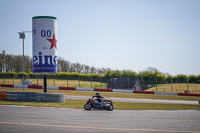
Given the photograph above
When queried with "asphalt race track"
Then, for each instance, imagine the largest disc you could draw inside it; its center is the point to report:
(19, 119)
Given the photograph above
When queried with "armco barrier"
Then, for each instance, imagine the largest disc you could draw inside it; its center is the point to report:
(166, 93)
(124, 91)
(35, 86)
(32, 97)
(85, 89)
(104, 90)
(144, 92)
(96, 89)
(5, 85)
(67, 88)
(20, 86)
(53, 87)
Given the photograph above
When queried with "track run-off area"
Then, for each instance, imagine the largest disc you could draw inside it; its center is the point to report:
(43, 119)
(139, 100)
(36, 119)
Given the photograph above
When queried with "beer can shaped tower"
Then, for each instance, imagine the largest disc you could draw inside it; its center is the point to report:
(44, 45)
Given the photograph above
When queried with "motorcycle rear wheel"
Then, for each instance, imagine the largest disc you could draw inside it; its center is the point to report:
(87, 106)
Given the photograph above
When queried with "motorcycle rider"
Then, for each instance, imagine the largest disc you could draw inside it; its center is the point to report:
(99, 99)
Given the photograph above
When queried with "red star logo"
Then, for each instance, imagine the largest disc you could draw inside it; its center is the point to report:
(53, 42)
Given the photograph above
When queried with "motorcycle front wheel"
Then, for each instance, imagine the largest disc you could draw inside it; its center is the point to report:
(87, 106)
(110, 108)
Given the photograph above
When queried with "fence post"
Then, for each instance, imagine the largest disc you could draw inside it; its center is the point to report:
(142, 85)
(121, 83)
(176, 84)
(101, 83)
(128, 83)
(91, 82)
(79, 81)
(107, 83)
(156, 85)
(187, 85)
(67, 81)
(54, 81)
(171, 86)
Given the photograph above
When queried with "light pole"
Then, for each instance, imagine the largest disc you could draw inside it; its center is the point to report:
(22, 36)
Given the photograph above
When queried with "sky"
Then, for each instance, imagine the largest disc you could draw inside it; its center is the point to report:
(116, 34)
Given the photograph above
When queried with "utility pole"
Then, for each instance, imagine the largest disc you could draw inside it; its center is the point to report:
(22, 36)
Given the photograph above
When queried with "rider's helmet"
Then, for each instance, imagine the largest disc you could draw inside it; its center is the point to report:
(98, 94)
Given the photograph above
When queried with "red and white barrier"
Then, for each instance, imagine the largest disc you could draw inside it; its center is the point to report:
(53, 87)
(123, 91)
(20, 86)
(186, 94)
(84, 89)
(97, 89)
(35, 86)
(67, 88)
(165, 93)
(144, 92)
(103, 90)
(6, 85)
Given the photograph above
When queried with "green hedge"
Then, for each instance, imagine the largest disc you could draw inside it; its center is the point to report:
(60, 75)
(8, 75)
(64, 75)
(144, 76)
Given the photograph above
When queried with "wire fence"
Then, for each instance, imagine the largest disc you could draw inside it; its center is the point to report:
(103, 83)
(67, 82)
(171, 87)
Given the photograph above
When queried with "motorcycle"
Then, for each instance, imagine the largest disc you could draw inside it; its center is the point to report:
(93, 104)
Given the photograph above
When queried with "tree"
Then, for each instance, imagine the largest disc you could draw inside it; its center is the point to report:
(2, 60)
(128, 73)
(152, 69)
(192, 79)
(8, 63)
(180, 78)
(17, 63)
(93, 70)
(86, 69)
(27, 64)
(168, 79)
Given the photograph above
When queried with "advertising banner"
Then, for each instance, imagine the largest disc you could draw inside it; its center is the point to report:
(44, 45)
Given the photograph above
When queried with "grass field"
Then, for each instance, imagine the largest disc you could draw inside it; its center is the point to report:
(78, 104)
(177, 87)
(108, 94)
(59, 82)
(73, 103)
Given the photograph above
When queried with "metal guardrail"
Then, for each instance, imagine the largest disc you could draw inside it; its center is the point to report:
(32, 97)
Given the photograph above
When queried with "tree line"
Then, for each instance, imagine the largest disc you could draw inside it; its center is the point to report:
(144, 76)
(13, 63)
(153, 75)
(11, 66)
